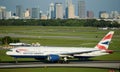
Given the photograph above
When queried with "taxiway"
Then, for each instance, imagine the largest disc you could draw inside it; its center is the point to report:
(86, 64)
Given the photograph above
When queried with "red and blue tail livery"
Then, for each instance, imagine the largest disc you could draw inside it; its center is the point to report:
(104, 43)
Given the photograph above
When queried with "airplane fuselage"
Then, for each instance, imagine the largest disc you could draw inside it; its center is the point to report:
(44, 51)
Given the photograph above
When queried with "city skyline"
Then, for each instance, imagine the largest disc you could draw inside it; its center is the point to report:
(95, 5)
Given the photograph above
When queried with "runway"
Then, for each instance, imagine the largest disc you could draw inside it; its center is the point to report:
(89, 64)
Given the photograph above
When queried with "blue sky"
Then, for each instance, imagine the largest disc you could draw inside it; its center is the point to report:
(95, 5)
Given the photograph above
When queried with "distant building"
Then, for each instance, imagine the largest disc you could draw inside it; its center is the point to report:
(81, 9)
(71, 13)
(44, 17)
(66, 9)
(40, 14)
(35, 13)
(52, 11)
(8, 15)
(90, 14)
(27, 14)
(69, 10)
(103, 15)
(114, 14)
(2, 12)
(58, 11)
(19, 11)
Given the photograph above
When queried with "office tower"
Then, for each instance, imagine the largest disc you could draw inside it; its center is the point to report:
(66, 8)
(114, 14)
(52, 11)
(90, 14)
(69, 9)
(44, 17)
(8, 14)
(27, 14)
(40, 14)
(2, 12)
(71, 13)
(35, 13)
(19, 11)
(58, 11)
(81, 9)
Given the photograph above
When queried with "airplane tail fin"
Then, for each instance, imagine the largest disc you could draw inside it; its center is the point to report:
(104, 43)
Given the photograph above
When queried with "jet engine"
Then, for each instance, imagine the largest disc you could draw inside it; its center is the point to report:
(53, 58)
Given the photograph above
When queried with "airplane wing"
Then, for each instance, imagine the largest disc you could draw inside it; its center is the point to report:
(72, 53)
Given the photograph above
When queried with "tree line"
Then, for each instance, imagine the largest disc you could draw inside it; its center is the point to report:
(59, 22)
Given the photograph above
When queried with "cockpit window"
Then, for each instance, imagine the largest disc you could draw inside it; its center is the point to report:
(17, 51)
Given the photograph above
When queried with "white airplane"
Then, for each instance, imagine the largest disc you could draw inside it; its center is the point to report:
(53, 54)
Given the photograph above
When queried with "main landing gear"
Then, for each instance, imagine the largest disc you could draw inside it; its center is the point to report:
(64, 61)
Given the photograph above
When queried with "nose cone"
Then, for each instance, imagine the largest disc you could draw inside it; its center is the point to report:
(8, 53)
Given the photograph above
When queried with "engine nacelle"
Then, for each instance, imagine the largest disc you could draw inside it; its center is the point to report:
(53, 58)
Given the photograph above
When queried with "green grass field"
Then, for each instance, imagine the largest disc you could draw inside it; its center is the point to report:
(55, 70)
(60, 36)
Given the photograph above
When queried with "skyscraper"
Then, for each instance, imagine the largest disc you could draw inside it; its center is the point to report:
(81, 9)
(2, 12)
(90, 14)
(35, 13)
(27, 14)
(8, 14)
(52, 11)
(19, 11)
(114, 14)
(69, 9)
(58, 11)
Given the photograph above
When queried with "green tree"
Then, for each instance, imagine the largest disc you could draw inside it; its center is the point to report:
(6, 40)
